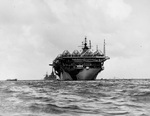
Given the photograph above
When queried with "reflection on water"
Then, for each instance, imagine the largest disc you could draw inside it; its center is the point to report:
(75, 98)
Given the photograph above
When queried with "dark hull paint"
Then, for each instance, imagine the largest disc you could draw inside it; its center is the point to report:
(84, 74)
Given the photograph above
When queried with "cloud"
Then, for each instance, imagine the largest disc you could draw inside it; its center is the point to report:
(34, 32)
(118, 9)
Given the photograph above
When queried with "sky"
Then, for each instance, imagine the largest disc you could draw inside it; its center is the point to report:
(34, 32)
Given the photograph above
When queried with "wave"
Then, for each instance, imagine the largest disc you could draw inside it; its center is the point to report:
(79, 98)
(54, 109)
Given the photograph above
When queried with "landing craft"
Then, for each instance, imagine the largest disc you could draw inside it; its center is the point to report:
(84, 65)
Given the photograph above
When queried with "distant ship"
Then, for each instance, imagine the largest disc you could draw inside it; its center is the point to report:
(52, 76)
(11, 80)
(84, 65)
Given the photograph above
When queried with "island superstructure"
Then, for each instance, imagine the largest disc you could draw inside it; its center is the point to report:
(84, 65)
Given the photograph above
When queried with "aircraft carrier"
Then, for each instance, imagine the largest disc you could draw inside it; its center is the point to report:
(83, 65)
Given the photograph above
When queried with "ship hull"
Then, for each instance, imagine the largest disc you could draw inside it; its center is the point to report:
(88, 74)
(84, 74)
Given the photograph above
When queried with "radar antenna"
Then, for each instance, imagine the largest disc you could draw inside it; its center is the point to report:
(85, 45)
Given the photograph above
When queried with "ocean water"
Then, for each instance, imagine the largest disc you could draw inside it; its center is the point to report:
(75, 98)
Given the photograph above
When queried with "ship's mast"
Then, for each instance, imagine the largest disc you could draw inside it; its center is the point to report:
(104, 52)
(90, 44)
(96, 47)
(85, 48)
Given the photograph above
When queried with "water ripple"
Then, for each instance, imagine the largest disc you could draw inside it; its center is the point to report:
(75, 98)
